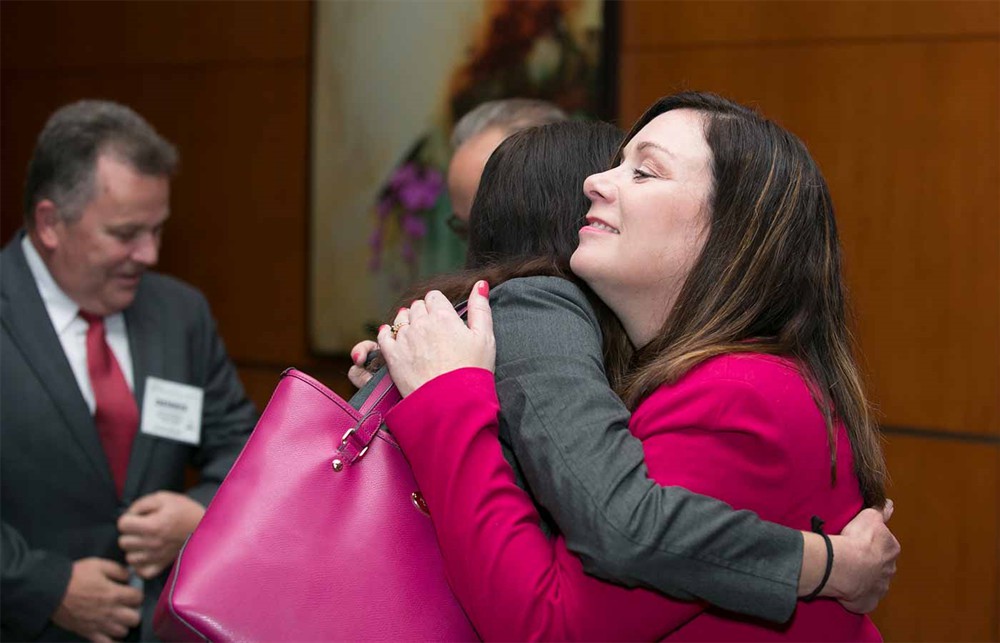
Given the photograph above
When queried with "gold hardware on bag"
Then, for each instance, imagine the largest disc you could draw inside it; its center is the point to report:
(347, 434)
(337, 465)
(420, 503)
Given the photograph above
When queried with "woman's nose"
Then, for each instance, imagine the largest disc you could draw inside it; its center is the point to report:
(598, 187)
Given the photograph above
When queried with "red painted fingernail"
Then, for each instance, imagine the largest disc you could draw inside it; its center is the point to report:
(382, 326)
(354, 357)
(484, 288)
(401, 310)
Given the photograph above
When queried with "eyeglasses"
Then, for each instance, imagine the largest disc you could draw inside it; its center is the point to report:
(459, 227)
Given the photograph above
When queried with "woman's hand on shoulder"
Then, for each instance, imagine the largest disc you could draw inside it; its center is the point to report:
(431, 339)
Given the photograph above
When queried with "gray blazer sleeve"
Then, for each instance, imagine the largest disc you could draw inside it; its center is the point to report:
(570, 435)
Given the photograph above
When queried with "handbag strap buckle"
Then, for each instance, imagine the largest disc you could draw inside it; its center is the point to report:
(355, 440)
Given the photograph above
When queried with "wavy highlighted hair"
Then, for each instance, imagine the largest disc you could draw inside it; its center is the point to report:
(768, 279)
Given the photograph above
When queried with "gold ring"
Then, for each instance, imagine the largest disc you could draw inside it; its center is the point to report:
(396, 327)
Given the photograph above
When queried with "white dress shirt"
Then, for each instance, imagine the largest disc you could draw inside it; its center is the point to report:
(72, 329)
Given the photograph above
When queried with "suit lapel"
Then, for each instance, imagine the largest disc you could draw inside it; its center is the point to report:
(146, 346)
(29, 326)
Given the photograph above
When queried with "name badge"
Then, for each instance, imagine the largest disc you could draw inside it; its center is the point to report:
(172, 410)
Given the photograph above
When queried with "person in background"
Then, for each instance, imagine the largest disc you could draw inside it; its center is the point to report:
(113, 381)
(477, 134)
(559, 419)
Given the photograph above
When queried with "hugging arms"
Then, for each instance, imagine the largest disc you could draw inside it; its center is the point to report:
(567, 434)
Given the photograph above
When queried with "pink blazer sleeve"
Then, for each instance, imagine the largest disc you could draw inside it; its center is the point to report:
(513, 582)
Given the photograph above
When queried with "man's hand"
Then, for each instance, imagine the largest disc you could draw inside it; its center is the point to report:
(864, 561)
(154, 528)
(98, 604)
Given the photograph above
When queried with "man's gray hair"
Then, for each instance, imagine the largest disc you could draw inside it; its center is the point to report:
(509, 114)
(63, 164)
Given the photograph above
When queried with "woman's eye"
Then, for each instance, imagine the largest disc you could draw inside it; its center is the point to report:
(639, 173)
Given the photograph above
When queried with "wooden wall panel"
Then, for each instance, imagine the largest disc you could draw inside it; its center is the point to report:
(724, 23)
(948, 585)
(50, 35)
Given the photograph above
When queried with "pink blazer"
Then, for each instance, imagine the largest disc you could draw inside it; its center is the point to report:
(742, 428)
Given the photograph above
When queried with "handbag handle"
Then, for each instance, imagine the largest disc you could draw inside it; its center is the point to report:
(354, 443)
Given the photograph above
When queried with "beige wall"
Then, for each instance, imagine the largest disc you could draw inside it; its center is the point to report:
(898, 101)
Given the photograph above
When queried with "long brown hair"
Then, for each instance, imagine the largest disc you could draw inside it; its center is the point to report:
(768, 279)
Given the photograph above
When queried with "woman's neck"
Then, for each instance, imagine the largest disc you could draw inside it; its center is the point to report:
(642, 314)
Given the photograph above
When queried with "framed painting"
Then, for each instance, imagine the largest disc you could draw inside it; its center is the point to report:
(391, 77)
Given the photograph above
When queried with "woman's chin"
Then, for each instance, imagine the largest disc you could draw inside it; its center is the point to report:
(587, 267)
(578, 264)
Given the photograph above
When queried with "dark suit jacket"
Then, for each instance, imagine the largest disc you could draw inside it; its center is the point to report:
(58, 498)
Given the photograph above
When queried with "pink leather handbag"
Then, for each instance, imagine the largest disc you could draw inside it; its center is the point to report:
(318, 533)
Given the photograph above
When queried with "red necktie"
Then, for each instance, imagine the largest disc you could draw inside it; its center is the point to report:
(116, 414)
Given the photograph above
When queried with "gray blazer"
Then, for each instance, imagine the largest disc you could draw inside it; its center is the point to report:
(58, 497)
(570, 439)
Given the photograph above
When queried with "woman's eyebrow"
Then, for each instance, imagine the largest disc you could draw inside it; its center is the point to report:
(656, 146)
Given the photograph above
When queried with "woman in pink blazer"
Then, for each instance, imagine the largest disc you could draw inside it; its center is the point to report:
(712, 239)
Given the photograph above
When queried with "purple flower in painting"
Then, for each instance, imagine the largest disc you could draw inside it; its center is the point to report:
(422, 192)
(414, 226)
(404, 174)
(407, 199)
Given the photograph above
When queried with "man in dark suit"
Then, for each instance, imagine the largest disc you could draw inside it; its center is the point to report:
(112, 380)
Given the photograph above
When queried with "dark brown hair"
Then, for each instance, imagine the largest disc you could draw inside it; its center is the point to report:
(768, 279)
(527, 214)
(530, 201)
(65, 157)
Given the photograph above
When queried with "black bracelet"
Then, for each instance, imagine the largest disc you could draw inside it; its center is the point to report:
(817, 527)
